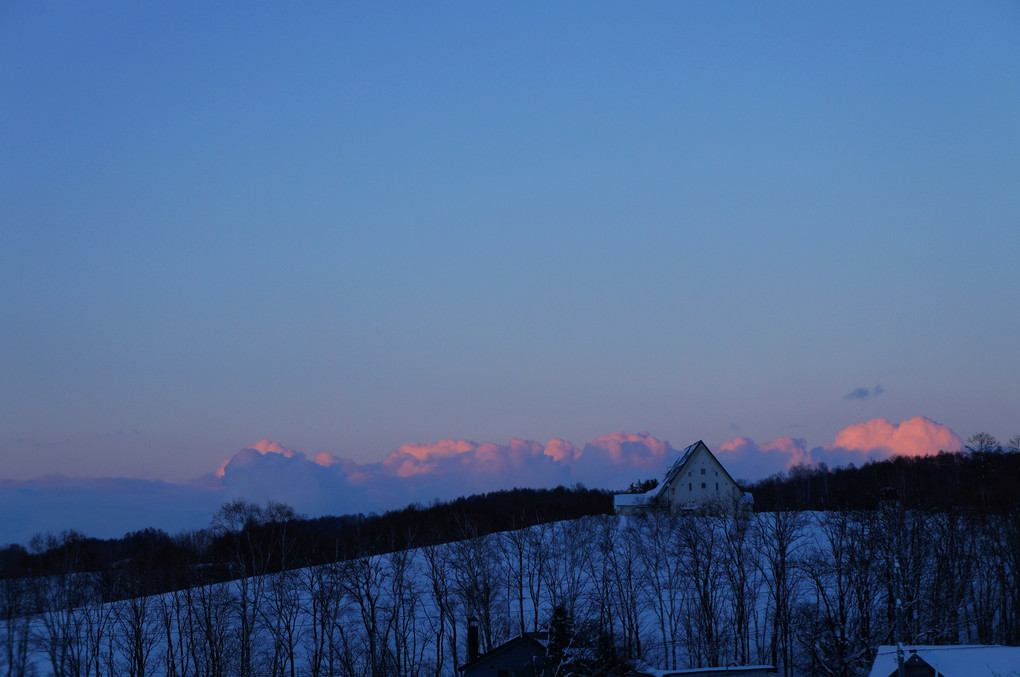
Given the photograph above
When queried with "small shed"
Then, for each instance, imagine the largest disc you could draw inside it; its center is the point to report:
(522, 656)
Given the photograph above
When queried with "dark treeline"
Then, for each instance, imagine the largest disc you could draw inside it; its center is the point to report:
(284, 539)
(983, 481)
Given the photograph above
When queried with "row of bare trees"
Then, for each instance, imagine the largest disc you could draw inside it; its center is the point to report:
(813, 593)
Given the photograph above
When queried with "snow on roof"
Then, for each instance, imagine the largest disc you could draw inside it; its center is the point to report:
(954, 660)
(633, 499)
(684, 455)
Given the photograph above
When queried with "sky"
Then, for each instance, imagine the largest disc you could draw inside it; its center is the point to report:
(352, 230)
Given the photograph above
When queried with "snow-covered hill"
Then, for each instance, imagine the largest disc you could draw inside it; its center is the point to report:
(802, 590)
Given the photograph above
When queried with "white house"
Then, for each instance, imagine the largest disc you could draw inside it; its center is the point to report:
(696, 478)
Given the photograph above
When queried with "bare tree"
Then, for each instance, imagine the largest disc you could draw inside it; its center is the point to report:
(664, 577)
(284, 619)
(96, 621)
(570, 549)
(137, 630)
(323, 596)
(982, 592)
(836, 624)
(952, 563)
(538, 544)
(174, 619)
(742, 576)
(57, 633)
(404, 595)
(213, 642)
(621, 546)
(513, 547)
(15, 613)
(1004, 551)
(440, 596)
(249, 528)
(473, 563)
(600, 576)
(982, 442)
(779, 536)
(904, 551)
(701, 557)
(364, 580)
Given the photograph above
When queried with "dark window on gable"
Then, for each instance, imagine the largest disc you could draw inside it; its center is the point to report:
(717, 486)
(690, 487)
(702, 471)
(702, 485)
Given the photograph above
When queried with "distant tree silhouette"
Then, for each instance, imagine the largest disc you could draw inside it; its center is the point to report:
(982, 443)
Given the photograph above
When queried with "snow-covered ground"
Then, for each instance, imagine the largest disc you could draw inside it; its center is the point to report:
(677, 591)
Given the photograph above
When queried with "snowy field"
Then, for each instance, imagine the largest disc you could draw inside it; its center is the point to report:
(805, 591)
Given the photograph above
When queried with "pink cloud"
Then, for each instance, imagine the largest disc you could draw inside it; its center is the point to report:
(617, 459)
(263, 447)
(323, 483)
(744, 458)
(637, 450)
(449, 468)
(876, 439)
(446, 468)
(919, 436)
(465, 458)
(269, 447)
(561, 450)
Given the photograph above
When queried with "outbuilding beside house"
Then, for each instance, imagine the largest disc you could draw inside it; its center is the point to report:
(522, 656)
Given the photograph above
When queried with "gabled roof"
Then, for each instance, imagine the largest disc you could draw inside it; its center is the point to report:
(686, 457)
(537, 640)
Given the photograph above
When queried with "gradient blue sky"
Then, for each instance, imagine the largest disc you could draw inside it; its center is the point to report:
(351, 226)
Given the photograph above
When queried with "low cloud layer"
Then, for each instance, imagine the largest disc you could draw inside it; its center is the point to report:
(323, 483)
(445, 469)
(101, 507)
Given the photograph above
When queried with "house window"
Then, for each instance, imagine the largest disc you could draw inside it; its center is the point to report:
(702, 485)
(717, 486)
(702, 471)
(690, 473)
(690, 487)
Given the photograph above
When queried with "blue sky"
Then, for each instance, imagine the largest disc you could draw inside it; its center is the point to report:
(350, 227)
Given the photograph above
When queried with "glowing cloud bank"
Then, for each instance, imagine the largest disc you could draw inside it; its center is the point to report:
(443, 469)
(324, 483)
(448, 468)
(876, 439)
(918, 436)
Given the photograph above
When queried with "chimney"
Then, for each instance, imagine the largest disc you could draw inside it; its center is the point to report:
(472, 639)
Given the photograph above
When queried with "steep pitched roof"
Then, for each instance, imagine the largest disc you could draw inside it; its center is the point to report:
(686, 457)
(537, 641)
